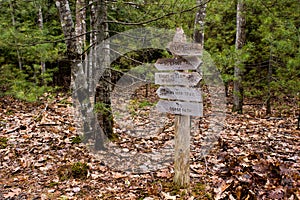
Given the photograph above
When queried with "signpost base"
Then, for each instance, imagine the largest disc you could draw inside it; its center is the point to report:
(182, 151)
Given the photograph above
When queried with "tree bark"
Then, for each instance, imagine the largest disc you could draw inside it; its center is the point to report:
(41, 26)
(104, 87)
(200, 22)
(83, 91)
(238, 68)
(68, 29)
(13, 20)
(80, 27)
(268, 111)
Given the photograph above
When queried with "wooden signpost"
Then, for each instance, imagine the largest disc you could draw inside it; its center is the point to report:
(179, 93)
(179, 99)
(180, 107)
(185, 49)
(178, 63)
(177, 78)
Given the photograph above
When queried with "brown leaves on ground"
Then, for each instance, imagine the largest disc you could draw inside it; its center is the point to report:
(257, 159)
(41, 157)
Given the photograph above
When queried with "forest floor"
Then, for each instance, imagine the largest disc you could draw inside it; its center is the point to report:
(41, 157)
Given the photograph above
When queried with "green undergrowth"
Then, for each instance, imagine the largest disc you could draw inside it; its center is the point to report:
(76, 140)
(76, 170)
(3, 142)
(27, 84)
(170, 188)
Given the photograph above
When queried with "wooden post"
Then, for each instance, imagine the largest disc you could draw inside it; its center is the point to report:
(182, 139)
(190, 100)
(182, 151)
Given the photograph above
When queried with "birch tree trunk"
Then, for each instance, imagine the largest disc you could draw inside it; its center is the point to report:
(104, 87)
(70, 36)
(268, 111)
(199, 22)
(238, 68)
(92, 65)
(75, 42)
(80, 27)
(41, 26)
(14, 25)
(74, 50)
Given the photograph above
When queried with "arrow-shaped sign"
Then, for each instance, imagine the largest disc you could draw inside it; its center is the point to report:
(182, 49)
(177, 78)
(187, 63)
(180, 108)
(179, 93)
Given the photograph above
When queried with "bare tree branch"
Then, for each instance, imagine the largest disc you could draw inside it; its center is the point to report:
(158, 18)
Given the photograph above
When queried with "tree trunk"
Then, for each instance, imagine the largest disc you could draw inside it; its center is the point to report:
(239, 43)
(268, 112)
(14, 25)
(199, 26)
(41, 26)
(80, 27)
(104, 87)
(82, 91)
(70, 36)
(199, 22)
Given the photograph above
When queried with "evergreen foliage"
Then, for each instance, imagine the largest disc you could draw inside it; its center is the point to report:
(25, 84)
(24, 46)
(271, 55)
(272, 42)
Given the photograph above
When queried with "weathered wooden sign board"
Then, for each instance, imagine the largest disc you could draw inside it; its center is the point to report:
(178, 63)
(179, 93)
(180, 107)
(182, 49)
(177, 78)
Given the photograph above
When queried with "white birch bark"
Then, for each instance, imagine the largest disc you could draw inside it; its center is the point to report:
(14, 25)
(104, 87)
(200, 22)
(68, 28)
(41, 26)
(239, 43)
(80, 27)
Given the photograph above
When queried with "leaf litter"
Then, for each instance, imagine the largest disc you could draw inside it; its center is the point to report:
(254, 158)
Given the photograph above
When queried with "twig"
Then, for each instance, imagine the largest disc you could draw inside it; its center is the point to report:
(23, 127)
(157, 18)
(48, 124)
